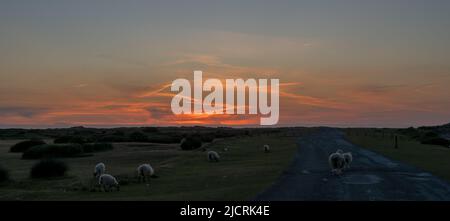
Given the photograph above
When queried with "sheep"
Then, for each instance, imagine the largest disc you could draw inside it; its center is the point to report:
(348, 158)
(336, 161)
(266, 148)
(145, 171)
(213, 156)
(99, 169)
(108, 182)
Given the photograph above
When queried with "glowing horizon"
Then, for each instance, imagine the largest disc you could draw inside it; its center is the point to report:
(110, 63)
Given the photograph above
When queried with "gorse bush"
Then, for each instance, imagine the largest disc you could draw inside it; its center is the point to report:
(53, 150)
(166, 139)
(96, 147)
(138, 137)
(25, 145)
(4, 175)
(436, 141)
(48, 168)
(71, 139)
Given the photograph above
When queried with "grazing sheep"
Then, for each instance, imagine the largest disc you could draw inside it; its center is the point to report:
(145, 171)
(108, 182)
(348, 158)
(213, 156)
(336, 161)
(266, 148)
(99, 169)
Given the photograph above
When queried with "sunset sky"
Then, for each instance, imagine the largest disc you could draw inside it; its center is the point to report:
(110, 63)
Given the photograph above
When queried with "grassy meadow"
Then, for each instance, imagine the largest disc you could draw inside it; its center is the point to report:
(244, 171)
(432, 158)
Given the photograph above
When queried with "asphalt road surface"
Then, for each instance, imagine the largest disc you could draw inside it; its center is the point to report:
(371, 176)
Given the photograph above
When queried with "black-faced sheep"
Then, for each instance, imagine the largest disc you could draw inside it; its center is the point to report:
(108, 182)
(213, 156)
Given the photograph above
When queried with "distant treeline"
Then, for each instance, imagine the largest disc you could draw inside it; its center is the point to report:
(433, 135)
(81, 135)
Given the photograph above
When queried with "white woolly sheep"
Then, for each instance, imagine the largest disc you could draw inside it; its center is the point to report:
(266, 148)
(213, 156)
(348, 158)
(145, 171)
(336, 161)
(107, 182)
(99, 169)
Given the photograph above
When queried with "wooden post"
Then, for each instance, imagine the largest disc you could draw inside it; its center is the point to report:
(396, 142)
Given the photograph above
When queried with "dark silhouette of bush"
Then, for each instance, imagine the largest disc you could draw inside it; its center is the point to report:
(96, 147)
(25, 145)
(190, 143)
(53, 150)
(118, 133)
(150, 129)
(437, 141)
(48, 168)
(207, 137)
(4, 175)
(112, 138)
(71, 139)
(166, 139)
(138, 137)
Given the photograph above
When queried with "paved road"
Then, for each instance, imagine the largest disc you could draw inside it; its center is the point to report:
(371, 177)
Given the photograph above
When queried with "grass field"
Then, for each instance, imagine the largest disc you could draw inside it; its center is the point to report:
(243, 171)
(432, 158)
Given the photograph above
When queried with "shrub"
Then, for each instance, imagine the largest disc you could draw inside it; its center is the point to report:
(150, 129)
(138, 137)
(166, 139)
(437, 141)
(70, 139)
(207, 137)
(95, 147)
(4, 175)
(53, 150)
(25, 145)
(112, 138)
(190, 143)
(48, 168)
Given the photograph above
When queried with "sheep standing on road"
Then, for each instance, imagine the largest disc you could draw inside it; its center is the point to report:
(99, 169)
(213, 156)
(266, 148)
(107, 182)
(145, 171)
(348, 158)
(336, 161)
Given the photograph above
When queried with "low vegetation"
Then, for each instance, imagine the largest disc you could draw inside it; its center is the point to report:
(53, 150)
(243, 171)
(412, 148)
(48, 168)
(191, 142)
(4, 175)
(25, 145)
